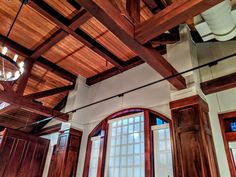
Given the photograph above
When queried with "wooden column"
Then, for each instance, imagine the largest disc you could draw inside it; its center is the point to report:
(193, 144)
(65, 154)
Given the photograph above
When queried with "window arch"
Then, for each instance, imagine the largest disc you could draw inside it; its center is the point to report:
(142, 123)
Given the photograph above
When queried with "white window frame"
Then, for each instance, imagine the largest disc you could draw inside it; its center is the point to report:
(156, 128)
(95, 138)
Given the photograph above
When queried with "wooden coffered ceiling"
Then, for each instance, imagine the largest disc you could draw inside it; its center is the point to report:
(97, 39)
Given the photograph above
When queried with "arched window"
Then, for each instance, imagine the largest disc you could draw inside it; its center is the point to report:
(130, 143)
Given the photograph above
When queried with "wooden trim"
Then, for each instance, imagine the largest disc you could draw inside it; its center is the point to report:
(193, 100)
(219, 84)
(103, 125)
(148, 149)
(171, 16)
(49, 130)
(226, 140)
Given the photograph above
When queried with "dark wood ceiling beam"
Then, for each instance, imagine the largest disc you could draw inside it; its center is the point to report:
(6, 86)
(78, 20)
(131, 63)
(62, 22)
(23, 80)
(50, 92)
(51, 41)
(124, 30)
(114, 71)
(17, 48)
(52, 67)
(133, 9)
(176, 13)
(219, 84)
(151, 4)
(165, 38)
(24, 103)
(7, 109)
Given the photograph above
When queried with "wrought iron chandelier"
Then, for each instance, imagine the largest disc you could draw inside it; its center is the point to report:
(10, 70)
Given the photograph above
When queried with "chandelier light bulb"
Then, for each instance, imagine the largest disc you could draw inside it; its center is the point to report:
(15, 57)
(9, 75)
(21, 64)
(17, 74)
(4, 50)
(21, 70)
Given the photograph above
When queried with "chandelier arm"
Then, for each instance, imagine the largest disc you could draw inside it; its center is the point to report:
(10, 60)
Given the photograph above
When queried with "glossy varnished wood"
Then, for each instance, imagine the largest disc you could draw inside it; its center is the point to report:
(66, 154)
(22, 155)
(173, 15)
(118, 25)
(219, 84)
(194, 148)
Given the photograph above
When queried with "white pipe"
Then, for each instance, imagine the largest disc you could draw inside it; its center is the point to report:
(220, 21)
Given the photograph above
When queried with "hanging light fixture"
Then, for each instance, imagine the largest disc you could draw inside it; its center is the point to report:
(10, 70)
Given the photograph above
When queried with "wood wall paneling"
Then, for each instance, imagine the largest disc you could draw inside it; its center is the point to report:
(22, 155)
(65, 154)
(194, 147)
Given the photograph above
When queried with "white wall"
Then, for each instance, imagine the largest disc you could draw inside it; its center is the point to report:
(182, 56)
(53, 141)
(155, 97)
(220, 102)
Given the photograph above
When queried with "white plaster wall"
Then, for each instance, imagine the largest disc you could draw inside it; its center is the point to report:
(157, 97)
(53, 141)
(220, 102)
(211, 51)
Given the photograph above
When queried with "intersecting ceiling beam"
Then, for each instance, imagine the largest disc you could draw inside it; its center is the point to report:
(23, 80)
(114, 71)
(171, 16)
(151, 4)
(110, 17)
(24, 103)
(73, 29)
(131, 63)
(17, 48)
(133, 9)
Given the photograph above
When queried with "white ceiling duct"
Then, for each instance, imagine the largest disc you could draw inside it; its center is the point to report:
(217, 22)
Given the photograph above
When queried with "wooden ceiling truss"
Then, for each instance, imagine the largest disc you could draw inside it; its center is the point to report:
(146, 40)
